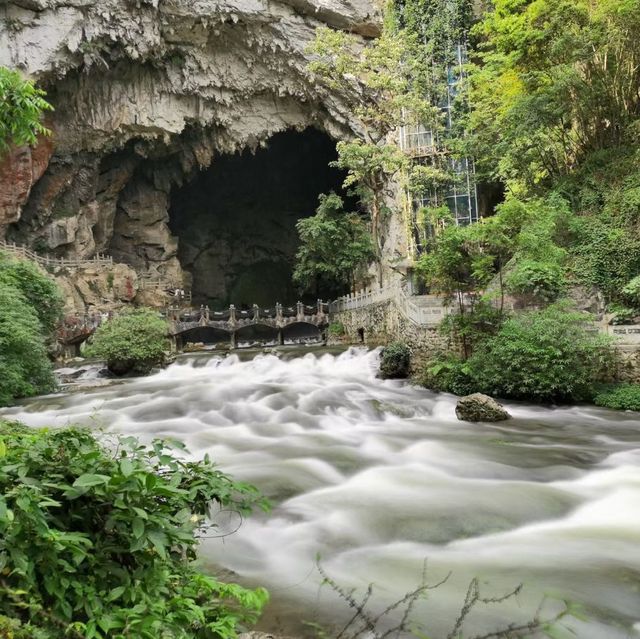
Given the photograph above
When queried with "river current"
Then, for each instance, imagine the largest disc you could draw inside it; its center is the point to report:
(377, 476)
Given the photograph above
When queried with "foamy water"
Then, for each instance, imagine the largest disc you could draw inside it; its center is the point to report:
(377, 476)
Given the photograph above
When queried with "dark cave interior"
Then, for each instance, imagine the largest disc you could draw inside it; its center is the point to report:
(236, 220)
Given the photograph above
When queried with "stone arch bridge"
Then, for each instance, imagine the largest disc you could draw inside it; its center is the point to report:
(233, 321)
(75, 329)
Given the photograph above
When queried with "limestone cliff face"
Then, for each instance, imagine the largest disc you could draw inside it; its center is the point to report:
(146, 94)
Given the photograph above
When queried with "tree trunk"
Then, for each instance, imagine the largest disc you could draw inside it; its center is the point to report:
(376, 235)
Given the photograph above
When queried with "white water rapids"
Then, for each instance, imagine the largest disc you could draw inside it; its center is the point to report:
(377, 476)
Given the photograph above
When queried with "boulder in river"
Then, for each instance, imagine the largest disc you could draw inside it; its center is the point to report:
(480, 408)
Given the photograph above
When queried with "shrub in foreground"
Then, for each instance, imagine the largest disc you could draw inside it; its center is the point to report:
(133, 342)
(395, 361)
(619, 397)
(98, 539)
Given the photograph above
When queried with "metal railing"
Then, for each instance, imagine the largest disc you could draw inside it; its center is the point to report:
(22, 252)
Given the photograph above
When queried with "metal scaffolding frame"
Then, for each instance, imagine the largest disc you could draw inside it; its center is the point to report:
(424, 145)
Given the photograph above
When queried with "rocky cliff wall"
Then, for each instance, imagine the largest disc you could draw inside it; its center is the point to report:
(146, 95)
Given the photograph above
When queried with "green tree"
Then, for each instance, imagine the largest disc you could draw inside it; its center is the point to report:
(21, 108)
(439, 26)
(335, 247)
(554, 82)
(135, 341)
(39, 290)
(458, 266)
(380, 83)
(98, 538)
(25, 369)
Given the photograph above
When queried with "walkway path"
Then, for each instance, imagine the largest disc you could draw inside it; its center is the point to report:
(422, 310)
(22, 252)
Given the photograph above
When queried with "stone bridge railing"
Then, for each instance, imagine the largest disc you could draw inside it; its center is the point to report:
(77, 328)
(234, 319)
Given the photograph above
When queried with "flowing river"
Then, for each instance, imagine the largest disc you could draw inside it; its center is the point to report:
(377, 476)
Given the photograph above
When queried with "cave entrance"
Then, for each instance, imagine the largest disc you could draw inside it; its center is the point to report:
(236, 221)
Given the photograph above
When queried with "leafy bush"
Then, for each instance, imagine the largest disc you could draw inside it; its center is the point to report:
(395, 361)
(336, 329)
(619, 396)
(25, 369)
(98, 538)
(621, 314)
(548, 355)
(132, 342)
(39, 290)
(632, 291)
(538, 280)
(448, 375)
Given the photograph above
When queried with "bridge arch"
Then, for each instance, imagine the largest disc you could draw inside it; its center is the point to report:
(301, 330)
(256, 333)
(204, 334)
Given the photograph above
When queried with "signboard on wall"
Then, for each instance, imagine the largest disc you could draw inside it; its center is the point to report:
(626, 334)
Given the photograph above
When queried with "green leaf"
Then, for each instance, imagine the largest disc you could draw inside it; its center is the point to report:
(88, 479)
(138, 527)
(115, 594)
(126, 467)
(159, 541)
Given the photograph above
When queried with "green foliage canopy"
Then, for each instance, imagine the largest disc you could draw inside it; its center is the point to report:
(98, 539)
(554, 81)
(38, 290)
(335, 247)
